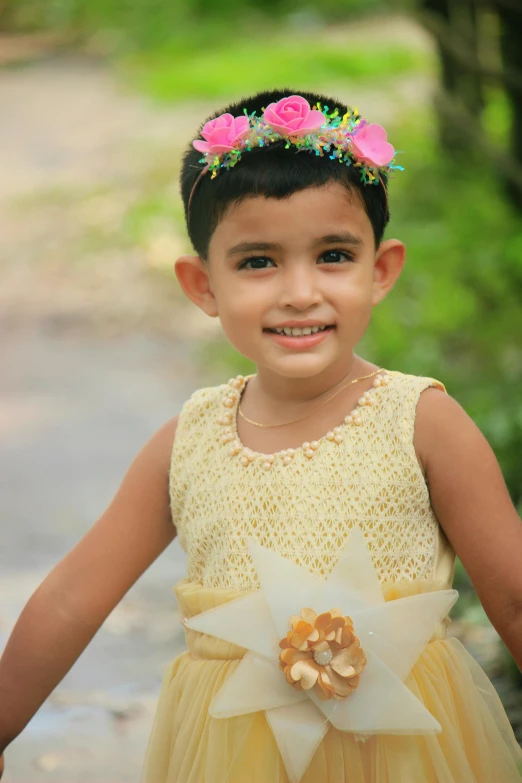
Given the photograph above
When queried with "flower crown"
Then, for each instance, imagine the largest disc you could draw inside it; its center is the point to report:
(348, 137)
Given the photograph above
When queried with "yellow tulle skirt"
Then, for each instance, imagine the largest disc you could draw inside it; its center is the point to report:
(476, 745)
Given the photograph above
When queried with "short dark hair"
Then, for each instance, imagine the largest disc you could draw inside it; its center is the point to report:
(272, 172)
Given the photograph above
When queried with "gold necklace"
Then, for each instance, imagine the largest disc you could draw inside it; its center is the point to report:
(255, 423)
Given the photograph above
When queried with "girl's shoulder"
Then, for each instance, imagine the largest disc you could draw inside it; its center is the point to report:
(413, 383)
(206, 396)
(203, 402)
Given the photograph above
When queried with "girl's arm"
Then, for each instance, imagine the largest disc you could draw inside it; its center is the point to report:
(68, 608)
(472, 503)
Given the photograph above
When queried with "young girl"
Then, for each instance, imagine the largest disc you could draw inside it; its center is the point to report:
(286, 206)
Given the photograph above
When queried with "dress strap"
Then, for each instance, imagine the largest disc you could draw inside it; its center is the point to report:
(195, 422)
(410, 388)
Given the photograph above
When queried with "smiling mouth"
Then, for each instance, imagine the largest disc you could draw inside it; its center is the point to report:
(309, 334)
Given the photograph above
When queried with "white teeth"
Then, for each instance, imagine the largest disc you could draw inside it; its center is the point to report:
(295, 332)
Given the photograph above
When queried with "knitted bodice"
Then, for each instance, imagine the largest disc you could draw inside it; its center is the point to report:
(304, 508)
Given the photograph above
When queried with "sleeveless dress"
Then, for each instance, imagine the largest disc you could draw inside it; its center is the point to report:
(364, 473)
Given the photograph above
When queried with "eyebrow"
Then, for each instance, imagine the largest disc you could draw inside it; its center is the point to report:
(346, 238)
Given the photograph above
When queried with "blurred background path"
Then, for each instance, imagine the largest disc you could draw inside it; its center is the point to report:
(86, 380)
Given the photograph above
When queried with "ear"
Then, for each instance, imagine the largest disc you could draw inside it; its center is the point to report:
(193, 277)
(389, 262)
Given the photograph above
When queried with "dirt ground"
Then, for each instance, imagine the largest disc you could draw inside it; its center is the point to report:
(97, 352)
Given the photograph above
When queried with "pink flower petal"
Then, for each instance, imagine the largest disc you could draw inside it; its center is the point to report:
(223, 121)
(314, 120)
(284, 130)
(271, 117)
(291, 113)
(295, 124)
(374, 132)
(286, 121)
(294, 102)
(201, 146)
(384, 154)
(369, 145)
(241, 125)
(222, 136)
(217, 149)
(287, 115)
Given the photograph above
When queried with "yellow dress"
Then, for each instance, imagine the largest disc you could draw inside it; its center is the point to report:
(363, 474)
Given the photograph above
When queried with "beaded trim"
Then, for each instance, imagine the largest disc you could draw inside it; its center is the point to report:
(286, 456)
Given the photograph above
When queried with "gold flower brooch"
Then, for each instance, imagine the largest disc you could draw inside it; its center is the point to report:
(322, 650)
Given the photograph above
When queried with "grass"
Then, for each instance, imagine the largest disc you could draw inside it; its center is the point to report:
(224, 69)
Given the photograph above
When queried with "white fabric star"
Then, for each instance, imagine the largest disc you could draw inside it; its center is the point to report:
(392, 634)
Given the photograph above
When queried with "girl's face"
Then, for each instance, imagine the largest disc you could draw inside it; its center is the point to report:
(310, 256)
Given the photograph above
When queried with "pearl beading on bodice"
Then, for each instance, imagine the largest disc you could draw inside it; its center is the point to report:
(247, 456)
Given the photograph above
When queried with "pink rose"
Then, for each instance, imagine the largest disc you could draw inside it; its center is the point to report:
(222, 134)
(369, 145)
(293, 116)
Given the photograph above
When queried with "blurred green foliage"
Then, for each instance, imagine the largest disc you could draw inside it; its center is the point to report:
(221, 69)
(154, 23)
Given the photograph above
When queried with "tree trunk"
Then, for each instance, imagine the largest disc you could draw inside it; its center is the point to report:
(454, 25)
(511, 50)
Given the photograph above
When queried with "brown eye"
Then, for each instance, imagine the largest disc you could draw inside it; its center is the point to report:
(334, 256)
(253, 260)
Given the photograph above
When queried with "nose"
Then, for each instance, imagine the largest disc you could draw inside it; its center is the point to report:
(300, 288)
